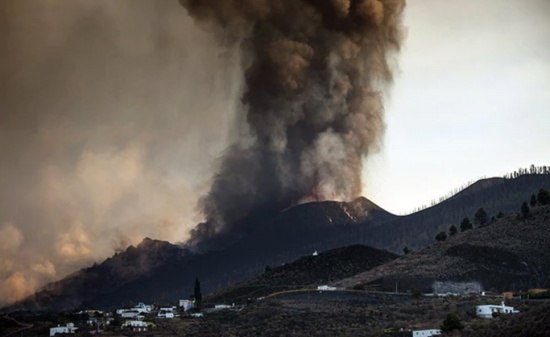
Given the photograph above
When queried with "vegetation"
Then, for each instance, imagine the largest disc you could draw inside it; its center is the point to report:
(532, 170)
(543, 197)
(452, 230)
(406, 250)
(533, 201)
(524, 209)
(465, 225)
(198, 294)
(481, 217)
(417, 295)
(442, 236)
(451, 323)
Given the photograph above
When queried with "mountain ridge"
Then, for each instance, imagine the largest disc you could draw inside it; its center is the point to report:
(171, 270)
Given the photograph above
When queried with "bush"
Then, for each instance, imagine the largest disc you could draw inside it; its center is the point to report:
(451, 322)
(543, 197)
(442, 236)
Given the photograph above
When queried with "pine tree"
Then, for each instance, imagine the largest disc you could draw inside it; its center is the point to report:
(452, 230)
(442, 236)
(524, 209)
(465, 225)
(481, 217)
(198, 294)
(417, 295)
(543, 197)
(533, 201)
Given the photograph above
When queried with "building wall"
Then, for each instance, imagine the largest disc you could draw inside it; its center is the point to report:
(426, 333)
(443, 287)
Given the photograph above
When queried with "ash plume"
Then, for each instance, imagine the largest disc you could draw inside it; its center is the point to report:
(315, 75)
(99, 131)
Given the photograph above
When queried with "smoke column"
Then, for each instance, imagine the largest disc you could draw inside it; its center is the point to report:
(315, 74)
(101, 144)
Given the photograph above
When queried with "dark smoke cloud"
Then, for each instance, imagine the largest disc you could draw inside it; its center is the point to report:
(106, 110)
(315, 73)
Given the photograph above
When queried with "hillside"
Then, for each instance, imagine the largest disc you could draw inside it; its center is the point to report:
(334, 264)
(156, 271)
(509, 254)
(100, 283)
(418, 229)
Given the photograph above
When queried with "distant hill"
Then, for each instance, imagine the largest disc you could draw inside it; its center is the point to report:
(157, 271)
(509, 254)
(109, 282)
(334, 264)
(419, 229)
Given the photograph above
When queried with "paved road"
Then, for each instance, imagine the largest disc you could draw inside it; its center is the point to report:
(342, 295)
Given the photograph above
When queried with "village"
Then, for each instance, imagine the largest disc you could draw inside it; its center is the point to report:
(145, 317)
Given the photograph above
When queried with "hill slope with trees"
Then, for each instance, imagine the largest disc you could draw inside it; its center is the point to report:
(295, 232)
(307, 271)
(511, 253)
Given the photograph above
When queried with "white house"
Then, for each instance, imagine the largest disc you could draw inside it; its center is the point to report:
(166, 313)
(142, 307)
(137, 326)
(69, 328)
(426, 333)
(139, 308)
(129, 313)
(324, 287)
(187, 304)
(486, 311)
(135, 323)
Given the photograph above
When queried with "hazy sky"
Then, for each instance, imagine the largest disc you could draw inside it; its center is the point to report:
(472, 99)
(113, 114)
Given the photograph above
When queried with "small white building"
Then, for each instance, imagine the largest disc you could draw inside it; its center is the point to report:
(487, 311)
(187, 304)
(136, 326)
(324, 287)
(129, 313)
(139, 308)
(135, 323)
(426, 333)
(223, 306)
(166, 313)
(69, 328)
(143, 308)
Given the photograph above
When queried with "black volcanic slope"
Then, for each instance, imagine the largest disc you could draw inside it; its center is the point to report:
(510, 254)
(117, 280)
(328, 266)
(157, 271)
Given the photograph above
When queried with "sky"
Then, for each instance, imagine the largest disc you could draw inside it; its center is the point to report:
(472, 99)
(114, 113)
